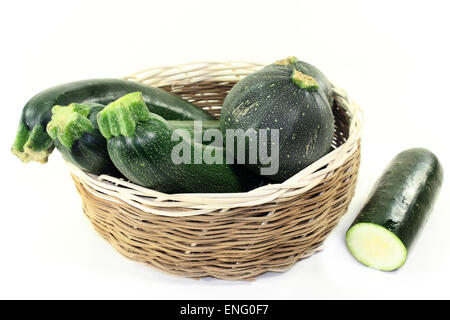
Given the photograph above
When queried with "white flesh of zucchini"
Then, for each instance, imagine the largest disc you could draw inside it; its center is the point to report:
(376, 247)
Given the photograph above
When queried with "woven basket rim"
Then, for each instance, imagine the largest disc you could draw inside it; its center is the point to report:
(119, 190)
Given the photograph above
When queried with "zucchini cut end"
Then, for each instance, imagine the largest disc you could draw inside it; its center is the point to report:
(376, 246)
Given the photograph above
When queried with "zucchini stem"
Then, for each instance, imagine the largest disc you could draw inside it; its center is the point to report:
(287, 61)
(304, 81)
(120, 117)
(34, 145)
(69, 123)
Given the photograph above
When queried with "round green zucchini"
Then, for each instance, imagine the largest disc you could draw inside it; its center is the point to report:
(283, 100)
(396, 211)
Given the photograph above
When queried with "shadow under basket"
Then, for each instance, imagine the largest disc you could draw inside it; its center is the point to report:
(233, 236)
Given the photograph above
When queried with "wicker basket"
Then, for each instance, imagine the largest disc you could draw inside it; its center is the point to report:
(234, 236)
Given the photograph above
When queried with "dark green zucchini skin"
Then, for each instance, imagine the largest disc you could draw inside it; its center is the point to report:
(33, 143)
(90, 152)
(189, 125)
(145, 159)
(403, 197)
(270, 99)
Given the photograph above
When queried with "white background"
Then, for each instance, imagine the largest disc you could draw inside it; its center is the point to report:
(391, 57)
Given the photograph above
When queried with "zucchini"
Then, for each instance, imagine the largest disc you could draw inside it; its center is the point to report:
(279, 97)
(396, 211)
(140, 145)
(74, 131)
(32, 143)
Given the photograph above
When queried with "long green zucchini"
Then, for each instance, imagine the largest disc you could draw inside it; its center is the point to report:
(32, 143)
(142, 147)
(396, 211)
(74, 131)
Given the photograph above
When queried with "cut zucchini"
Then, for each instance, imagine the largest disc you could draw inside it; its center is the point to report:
(397, 210)
(376, 246)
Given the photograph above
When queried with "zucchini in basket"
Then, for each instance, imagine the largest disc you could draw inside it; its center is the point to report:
(75, 133)
(283, 100)
(141, 146)
(32, 143)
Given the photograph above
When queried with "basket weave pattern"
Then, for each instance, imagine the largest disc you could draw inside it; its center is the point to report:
(234, 236)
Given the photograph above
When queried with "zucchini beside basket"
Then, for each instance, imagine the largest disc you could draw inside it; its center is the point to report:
(396, 211)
